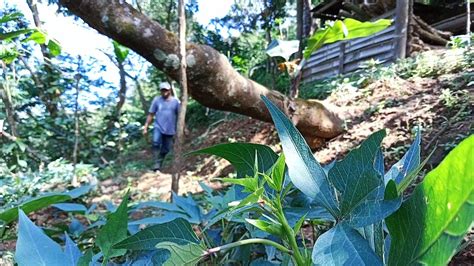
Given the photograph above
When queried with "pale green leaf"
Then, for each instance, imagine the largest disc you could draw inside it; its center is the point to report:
(343, 245)
(343, 30)
(181, 255)
(430, 225)
(266, 226)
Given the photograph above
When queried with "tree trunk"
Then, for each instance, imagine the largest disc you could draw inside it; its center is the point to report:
(300, 26)
(178, 145)
(210, 77)
(49, 99)
(74, 182)
(122, 90)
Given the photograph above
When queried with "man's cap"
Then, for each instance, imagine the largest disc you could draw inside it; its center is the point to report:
(165, 86)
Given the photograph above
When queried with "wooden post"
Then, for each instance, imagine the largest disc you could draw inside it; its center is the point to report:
(178, 146)
(468, 23)
(342, 52)
(402, 14)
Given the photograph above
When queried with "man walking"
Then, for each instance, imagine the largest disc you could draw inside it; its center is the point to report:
(165, 110)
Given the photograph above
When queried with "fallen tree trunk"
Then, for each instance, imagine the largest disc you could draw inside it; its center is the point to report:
(211, 79)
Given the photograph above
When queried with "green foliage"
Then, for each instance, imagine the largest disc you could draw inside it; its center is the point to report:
(243, 156)
(343, 30)
(114, 231)
(438, 214)
(178, 231)
(121, 52)
(16, 186)
(30, 205)
(187, 254)
(304, 171)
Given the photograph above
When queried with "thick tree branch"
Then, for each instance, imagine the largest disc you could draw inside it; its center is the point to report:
(211, 79)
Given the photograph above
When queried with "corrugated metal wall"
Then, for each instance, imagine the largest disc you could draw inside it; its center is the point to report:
(346, 56)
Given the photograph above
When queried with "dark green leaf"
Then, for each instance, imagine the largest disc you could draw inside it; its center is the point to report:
(177, 231)
(188, 254)
(114, 231)
(34, 247)
(14, 34)
(343, 245)
(430, 225)
(242, 156)
(10, 17)
(305, 172)
(86, 258)
(37, 203)
(360, 186)
(54, 47)
(166, 217)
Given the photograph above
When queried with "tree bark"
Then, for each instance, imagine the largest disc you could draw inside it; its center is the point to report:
(74, 182)
(49, 99)
(178, 146)
(211, 79)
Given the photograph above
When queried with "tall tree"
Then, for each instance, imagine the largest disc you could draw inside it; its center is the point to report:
(211, 79)
(178, 147)
(49, 97)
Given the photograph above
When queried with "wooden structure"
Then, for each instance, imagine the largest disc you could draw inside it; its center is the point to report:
(386, 46)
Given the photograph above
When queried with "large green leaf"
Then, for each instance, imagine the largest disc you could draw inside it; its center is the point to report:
(114, 231)
(10, 17)
(242, 156)
(34, 247)
(361, 186)
(430, 225)
(343, 30)
(54, 47)
(38, 37)
(304, 171)
(177, 231)
(188, 254)
(343, 245)
(14, 34)
(120, 51)
(37, 203)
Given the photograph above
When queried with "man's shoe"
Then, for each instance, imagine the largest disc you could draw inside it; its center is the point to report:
(157, 167)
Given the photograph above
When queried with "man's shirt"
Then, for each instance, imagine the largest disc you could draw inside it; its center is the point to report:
(166, 114)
